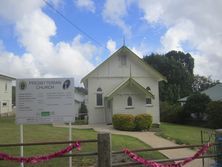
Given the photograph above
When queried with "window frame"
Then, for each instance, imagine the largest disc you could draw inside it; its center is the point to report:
(148, 104)
(99, 94)
(127, 102)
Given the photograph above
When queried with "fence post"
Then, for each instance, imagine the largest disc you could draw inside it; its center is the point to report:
(104, 149)
(218, 139)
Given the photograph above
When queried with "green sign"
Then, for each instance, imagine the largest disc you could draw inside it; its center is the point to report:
(45, 114)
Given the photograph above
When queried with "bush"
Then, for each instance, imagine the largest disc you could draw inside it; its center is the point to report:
(197, 104)
(143, 121)
(214, 110)
(172, 113)
(124, 122)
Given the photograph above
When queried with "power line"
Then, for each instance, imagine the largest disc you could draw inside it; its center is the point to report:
(71, 23)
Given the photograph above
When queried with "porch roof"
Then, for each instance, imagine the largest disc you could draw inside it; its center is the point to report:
(129, 81)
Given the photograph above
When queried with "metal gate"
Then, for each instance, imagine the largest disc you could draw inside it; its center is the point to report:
(208, 136)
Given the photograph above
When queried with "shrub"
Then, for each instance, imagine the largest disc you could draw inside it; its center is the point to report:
(172, 113)
(124, 122)
(197, 104)
(143, 121)
(214, 117)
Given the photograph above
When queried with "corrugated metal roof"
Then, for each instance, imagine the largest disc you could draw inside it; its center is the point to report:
(215, 93)
(7, 77)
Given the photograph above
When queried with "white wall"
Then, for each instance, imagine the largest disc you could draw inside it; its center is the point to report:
(139, 106)
(5, 96)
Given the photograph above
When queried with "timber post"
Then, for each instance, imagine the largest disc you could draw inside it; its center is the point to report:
(104, 150)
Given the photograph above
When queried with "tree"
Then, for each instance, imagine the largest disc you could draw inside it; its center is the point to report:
(214, 117)
(197, 104)
(201, 83)
(82, 111)
(178, 69)
(185, 59)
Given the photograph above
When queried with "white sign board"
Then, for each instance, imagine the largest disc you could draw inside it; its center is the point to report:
(45, 101)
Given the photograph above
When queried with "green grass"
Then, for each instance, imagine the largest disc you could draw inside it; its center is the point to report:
(181, 134)
(43, 133)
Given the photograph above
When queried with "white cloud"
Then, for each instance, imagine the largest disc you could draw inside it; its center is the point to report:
(86, 4)
(141, 49)
(153, 12)
(114, 11)
(193, 22)
(176, 35)
(42, 57)
(12, 10)
(111, 46)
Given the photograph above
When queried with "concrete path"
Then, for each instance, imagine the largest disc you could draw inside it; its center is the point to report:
(151, 139)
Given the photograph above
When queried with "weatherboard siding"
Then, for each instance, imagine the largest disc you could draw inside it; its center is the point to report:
(5, 96)
(109, 75)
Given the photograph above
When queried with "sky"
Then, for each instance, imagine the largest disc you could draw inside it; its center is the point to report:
(69, 38)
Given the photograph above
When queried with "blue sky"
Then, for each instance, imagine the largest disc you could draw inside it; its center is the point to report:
(35, 41)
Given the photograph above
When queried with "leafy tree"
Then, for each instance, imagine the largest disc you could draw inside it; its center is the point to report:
(178, 69)
(197, 104)
(172, 113)
(201, 83)
(214, 110)
(185, 59)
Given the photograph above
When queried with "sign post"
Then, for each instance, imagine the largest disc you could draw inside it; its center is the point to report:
(70, 139)
(21, 141)
(45, 101)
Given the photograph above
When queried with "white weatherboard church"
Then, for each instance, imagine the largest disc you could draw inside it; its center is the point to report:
(124, 84)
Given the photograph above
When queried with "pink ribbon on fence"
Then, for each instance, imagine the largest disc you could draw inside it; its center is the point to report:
(152, 163)
(36, 159)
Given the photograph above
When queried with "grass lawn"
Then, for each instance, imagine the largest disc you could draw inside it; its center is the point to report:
(42, 133)
(181, 134)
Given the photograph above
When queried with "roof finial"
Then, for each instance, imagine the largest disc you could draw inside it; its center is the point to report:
(123, 40)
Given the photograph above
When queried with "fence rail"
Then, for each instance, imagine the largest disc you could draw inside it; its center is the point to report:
(104, 150)
(160, 161)
(47, 143)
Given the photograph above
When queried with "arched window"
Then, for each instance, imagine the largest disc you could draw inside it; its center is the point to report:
(129, 101)
(99, 97)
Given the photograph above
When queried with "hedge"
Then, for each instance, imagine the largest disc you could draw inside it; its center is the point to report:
(124, 122)
(143, 121)
(129, 122)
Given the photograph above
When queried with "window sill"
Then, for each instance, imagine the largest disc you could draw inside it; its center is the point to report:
(99, 106)
(148, 105)
(129, 107)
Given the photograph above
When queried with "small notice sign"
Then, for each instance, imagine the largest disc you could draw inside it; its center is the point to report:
(45, 101)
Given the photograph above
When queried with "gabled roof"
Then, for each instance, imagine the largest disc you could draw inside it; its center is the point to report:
(215, 93)
(129, 81)
(148, 67)
(7, 77)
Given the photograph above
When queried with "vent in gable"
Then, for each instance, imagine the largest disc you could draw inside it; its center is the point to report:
(123, 59)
